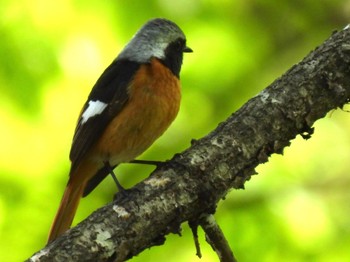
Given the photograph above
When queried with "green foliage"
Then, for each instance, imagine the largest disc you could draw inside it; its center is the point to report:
(52, 52)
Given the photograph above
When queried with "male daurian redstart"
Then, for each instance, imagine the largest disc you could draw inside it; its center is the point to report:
(132, 103)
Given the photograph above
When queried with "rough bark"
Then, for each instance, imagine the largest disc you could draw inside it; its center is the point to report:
(195, 180)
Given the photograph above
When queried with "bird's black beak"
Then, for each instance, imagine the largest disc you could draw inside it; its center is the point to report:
(187, 50)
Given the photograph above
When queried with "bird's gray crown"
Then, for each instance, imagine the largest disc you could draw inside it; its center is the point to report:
(151, 41)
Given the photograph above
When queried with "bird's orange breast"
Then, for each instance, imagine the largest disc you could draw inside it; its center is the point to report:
(154, 101)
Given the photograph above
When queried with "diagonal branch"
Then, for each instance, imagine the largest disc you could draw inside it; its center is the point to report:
(194, 181)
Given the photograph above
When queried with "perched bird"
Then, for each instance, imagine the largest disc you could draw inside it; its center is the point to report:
(132, 103)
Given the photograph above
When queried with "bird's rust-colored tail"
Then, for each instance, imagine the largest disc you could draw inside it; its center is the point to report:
(70, 200)
(66, 210)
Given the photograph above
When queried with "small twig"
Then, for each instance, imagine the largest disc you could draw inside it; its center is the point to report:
(215, 237)
(194, 228)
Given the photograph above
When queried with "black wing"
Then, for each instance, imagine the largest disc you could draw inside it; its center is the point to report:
(112, 89)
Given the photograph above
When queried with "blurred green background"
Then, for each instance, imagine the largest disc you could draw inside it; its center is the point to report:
(52, 52)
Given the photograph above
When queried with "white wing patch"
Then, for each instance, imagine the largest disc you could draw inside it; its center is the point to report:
(94, 108)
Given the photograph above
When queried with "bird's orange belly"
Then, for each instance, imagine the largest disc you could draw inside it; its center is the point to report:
(153, 104)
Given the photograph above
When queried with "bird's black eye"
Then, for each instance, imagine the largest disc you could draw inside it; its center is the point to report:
(180, 44)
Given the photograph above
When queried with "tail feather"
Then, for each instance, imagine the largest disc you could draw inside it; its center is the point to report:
(67, 209)
(71, 197)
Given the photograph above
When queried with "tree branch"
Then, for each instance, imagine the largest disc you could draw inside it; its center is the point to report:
(194, 181)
